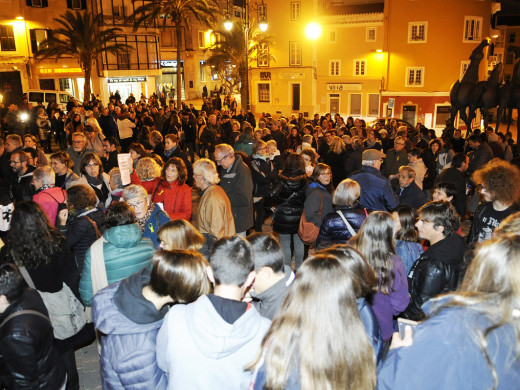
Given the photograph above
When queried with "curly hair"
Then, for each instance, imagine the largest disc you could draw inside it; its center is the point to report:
(179, 165)
(81, 196)
(147, 169)
(501, 179)
(32, 241)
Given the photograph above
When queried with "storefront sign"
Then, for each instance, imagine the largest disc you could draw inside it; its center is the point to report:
(171, 64)
(344, 87)
(126, 79)
(292, 76)
(60, 70)
(265, 75)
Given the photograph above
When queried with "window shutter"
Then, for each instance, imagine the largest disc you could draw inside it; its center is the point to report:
(69, 4)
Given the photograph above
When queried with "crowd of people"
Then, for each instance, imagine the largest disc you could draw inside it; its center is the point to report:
(366, 231)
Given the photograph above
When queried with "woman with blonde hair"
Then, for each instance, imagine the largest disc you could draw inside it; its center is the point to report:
(318, 340)
(180, 234)
(129, 314)
(335, 158)
(341, 225)
(477, 327)
(375, 241)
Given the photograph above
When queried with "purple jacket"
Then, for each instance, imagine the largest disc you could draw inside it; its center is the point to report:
(387, 306)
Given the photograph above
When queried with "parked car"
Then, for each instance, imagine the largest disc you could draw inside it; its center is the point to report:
(48, 97)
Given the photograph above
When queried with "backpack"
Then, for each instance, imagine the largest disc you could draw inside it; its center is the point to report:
(61, 206)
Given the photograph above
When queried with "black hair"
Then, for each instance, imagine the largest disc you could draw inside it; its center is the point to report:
(475, 138)
(458, 159)
(110, 140)
(119, 213)
(11, 282)
(231, 261)
(267, 251)
(416, 152)
(448, 188)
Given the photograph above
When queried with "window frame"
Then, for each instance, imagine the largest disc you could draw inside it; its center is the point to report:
(414, 69)
(360, 104)
(336, 71)
(259, 92)
(368, 114)
(367, 35)
(263, 48)
(9, 38)
(296, 10)
(417, 25)
(467, 19)
(362, 69)
(295, 50)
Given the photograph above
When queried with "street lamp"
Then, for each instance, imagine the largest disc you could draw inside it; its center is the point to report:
(262, 24)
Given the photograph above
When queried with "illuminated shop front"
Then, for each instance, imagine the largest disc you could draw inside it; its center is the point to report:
(70, 80)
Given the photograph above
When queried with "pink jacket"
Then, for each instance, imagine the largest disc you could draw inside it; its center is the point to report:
(49, 200)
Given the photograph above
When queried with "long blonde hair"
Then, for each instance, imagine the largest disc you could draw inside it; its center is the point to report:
(318, 332)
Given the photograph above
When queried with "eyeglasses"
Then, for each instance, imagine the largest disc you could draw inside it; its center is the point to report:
(399, 143)
(91, 165)
(137, 204)
(77, 142)
(11, 162)
(222, 159)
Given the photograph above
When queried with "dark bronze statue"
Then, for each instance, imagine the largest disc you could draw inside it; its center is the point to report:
(484, 95)
(462, 92)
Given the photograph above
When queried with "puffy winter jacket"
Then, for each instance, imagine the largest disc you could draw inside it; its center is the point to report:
(28, 357)
(125, 252)
(437, 271)
(289, 197)
(333, 229)
(129, 324)
(157, 218)
(176, 199)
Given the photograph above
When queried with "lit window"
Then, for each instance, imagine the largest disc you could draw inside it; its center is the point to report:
(264, 92)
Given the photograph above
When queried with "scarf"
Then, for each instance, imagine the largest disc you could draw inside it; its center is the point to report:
(142, 221)
(95, 181)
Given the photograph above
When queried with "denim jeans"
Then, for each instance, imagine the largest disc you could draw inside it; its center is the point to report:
(285, 241)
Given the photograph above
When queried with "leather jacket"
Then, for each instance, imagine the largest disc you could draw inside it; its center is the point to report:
(28, 357)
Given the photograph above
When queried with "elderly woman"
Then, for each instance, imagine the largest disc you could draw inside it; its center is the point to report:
(341, 225)
(92, 175)
(47, 195)
(125, 251)
(149, 215)
(147, 174)
(214, 216)
(82, 223)
(116, 185)
(172, 190)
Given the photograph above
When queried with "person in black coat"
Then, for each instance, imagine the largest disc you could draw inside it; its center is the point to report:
(439, 269)
(456, 176)
(289, 197)
(409, 192)
(28, 357)
(333, 229)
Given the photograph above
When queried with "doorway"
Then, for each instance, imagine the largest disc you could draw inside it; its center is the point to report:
(296, 97)
(334, 104)
(410, 114)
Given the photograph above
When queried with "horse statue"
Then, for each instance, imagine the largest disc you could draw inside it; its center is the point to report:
(460, 93)
(509, 93)
(484, 95)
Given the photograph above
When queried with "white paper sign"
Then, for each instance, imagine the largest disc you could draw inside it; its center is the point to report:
(125, 166)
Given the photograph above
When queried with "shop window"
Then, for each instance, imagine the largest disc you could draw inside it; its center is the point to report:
(37, 37)
(472, 29)
(360, 67)
(7, 38)
(263, 55)
(295, 53)
(373, 104)
(334, 67)
(355, 104)
(417, 32)
(296, 10)
(371, 34)
(414, 77)
(264, 92)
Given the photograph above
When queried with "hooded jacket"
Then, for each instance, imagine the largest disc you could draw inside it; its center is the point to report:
(438, 270)
(289, 197)
(125, 253)
(268, 302)
(198, 349)
(129, 324)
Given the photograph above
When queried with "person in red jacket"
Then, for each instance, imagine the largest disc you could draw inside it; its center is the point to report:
(172, 190)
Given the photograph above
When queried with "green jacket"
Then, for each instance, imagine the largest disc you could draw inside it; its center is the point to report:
(126, 252)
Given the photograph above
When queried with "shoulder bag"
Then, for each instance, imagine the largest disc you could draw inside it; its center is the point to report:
(308, 231)
(349, 226)
(66, 313)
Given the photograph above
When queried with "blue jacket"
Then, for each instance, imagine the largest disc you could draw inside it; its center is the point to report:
(125, 252)
(376, 191)
(409, 252)
(412, 196)
(333, 229)
(446, 354)
(156, 220)
(129, 324)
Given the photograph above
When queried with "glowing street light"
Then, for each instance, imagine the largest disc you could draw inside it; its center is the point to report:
(228, 23)
(313, 31)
